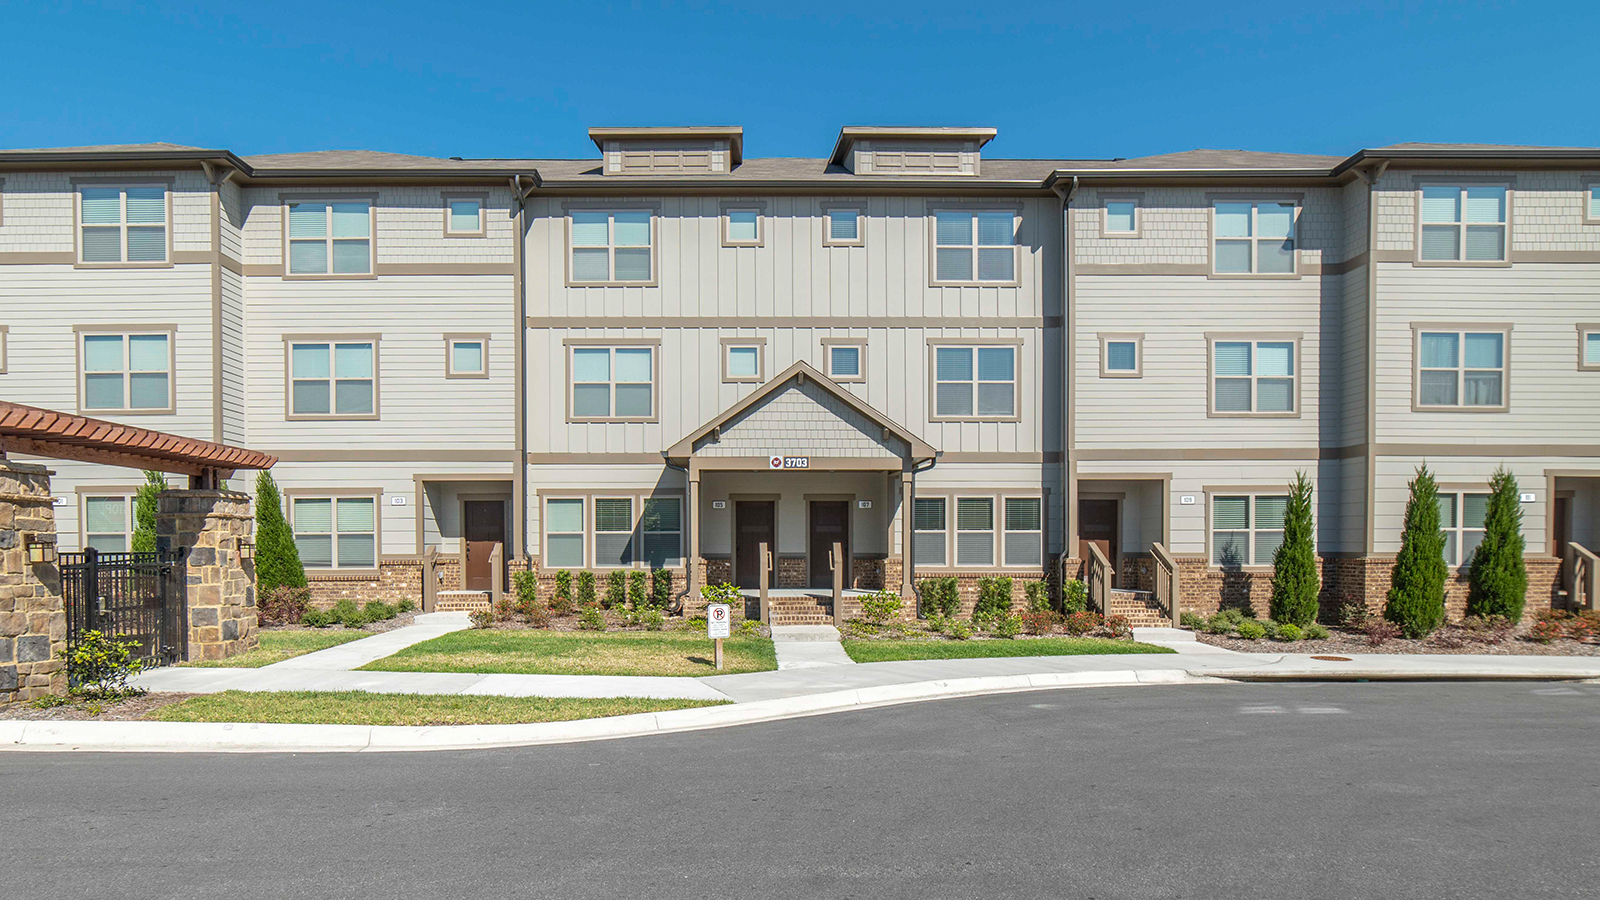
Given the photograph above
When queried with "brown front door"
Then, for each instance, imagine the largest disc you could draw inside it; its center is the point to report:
(1097, 524)
(830, 524)
(483, 526)
(754, 522)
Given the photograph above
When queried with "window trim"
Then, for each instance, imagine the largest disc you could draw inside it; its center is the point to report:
(450, 341)
(335, 494)
(1122, 337)
(85, 491)
(372, 236)
(567, 209)
(728, 343)
(1105, 216)
(861, 225)
(1502, 328)
(1297, 338)
(568, 344)
(933, 378)
(1460, 182)
(289, 340)
(171, 333)
(971, 210)
(1584, 330)
(1591, 205)
(1252, 491)
(759, 207)
(5, 347)
(860, 343)
(638, 497)
(1297, 200)
(483, 213)
(166, 184)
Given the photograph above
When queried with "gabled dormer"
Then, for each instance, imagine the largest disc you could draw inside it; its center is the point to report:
(687, 150)
(887, 150)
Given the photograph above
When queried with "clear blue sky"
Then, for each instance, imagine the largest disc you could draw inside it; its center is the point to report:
(1058, 80)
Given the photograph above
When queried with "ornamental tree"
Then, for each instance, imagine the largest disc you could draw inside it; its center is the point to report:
(277, 558)
(1295, 585)
(144, 511)
(1498, 578)
(1416, 592)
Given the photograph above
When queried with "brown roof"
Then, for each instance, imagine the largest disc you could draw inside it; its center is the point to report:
(108, 148)
(44, 432)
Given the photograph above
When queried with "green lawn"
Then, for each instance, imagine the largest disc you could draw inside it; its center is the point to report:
(277, 646)
(362, 708)
(885, 651)
(579, 653)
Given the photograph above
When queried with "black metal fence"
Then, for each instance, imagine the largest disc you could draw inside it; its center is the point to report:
(137, 596)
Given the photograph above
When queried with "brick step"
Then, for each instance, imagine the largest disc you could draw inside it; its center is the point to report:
(802, 620)
(1139, 607)
(461, 601)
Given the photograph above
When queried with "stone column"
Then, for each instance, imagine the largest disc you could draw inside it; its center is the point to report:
(207, 526)
(33, 620)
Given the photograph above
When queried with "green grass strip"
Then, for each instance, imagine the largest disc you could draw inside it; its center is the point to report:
(277, 646)
(579, 653)
(363, 708)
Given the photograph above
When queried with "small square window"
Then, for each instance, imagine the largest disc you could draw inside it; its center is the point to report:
(467, 356)
(847, 360)
(842, 227)
(1121, 355)
(1591, 205)
(742, 360)
(1121, 218)
(463, 217)
(1588, 348)
(741, 227)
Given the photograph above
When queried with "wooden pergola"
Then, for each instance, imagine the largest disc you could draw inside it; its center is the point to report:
(42, 432)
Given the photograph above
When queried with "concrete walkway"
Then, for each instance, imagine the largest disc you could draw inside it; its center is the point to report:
(808, 647)
(386, 643)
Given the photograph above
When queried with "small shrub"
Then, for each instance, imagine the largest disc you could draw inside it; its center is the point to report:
(653, 619)
(1191, 620)
(378, 611)
(283, 605)
(504, 610)
(1288, 632)
(1219, 624)
(749, 627)
(404, 606)
(696, 623)
(1380, 631)
(617, 589)
(317, 618)
(879, 607)
(661, 588)
(525, 586)
(637, 596)
(1037, 594)
(937, 623)
(1074, 596)
(994, 600)
(534, 614)
(958, 629)
(348, 614)
(50, 701)
(586, 596)
(1352, 614)
(1252, 630)
(1038, 621)
(1233, 615)
(939, 597)
(1081, 623)
(722, 592)
(592, 619)
(1493, 629)
(561, 600)
(1314, 632)
(1116, 627)
(100, 666)
(1006, 625)
(1546, 630)
(481, 618)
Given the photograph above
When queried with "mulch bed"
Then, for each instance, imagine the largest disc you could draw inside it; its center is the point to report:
(125, 710)
(1344, 642)
(399, 621)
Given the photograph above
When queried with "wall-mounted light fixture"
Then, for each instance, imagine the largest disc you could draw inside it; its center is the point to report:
(247, 549)
(41, 548)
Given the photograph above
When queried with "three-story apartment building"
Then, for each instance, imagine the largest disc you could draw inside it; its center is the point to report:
(939, 361)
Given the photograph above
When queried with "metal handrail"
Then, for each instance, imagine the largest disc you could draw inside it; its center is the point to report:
(1166, 581)
(1099, 580)
(1584, 566)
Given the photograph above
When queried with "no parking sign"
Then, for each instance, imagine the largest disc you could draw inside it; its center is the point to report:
(719, 620)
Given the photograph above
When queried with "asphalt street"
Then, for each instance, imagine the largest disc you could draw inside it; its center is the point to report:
(1226, 791)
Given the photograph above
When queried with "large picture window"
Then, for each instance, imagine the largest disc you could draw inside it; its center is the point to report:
(1246, 529)
(336, 532)
(122, 224)
(131, 372)
(975, 382)
(613, 383)
(333, 379)
(330, 237)
(611, 246)
(1461, 369)
(975, 246)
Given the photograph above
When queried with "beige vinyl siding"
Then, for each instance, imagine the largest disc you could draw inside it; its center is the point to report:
(1547, 208)
(1470, 475)
(233, 218)
(418, 407)
(40, 208)
(1542, 301)
(1175, 226)
(235, 373)
(397, 524)
(409, 230)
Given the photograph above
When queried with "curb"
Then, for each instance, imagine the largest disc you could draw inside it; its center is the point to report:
(217, 737)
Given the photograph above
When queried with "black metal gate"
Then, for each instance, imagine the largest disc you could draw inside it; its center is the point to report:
(137, 596)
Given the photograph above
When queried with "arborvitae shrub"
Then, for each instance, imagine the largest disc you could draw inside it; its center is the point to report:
(1295, 584)
(277, 558)
(1416, 594)
(1498, 578)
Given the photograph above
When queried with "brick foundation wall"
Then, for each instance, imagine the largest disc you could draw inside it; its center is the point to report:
(792, 572)
(396, 580)
(967, 588)
(33, 619)
(1138, 572)
(867, 574)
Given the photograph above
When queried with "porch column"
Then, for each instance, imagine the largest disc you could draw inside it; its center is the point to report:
(906, 484)
(692, 564)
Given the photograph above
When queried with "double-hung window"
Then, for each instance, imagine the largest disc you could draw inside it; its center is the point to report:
(336, 532)
(1253, 377)
(1246, 529)
(122, 224)
(662, 527)
(108, 523)
(1024, 536)
(611, 246)
(335, 379)
(975, 246)
(130, 372)
(1461, 369)
(563, 533)
(613, 383)
(929, 528)
(1462, 224)
(975, 531)
(613, 531)
(1253, 238)
(975, 382)
(330, 237)
(1461, 516)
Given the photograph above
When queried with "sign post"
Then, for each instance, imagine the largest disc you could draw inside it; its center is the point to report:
(719, 619)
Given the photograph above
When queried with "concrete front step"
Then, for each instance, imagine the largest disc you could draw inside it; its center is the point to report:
(461, 601)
